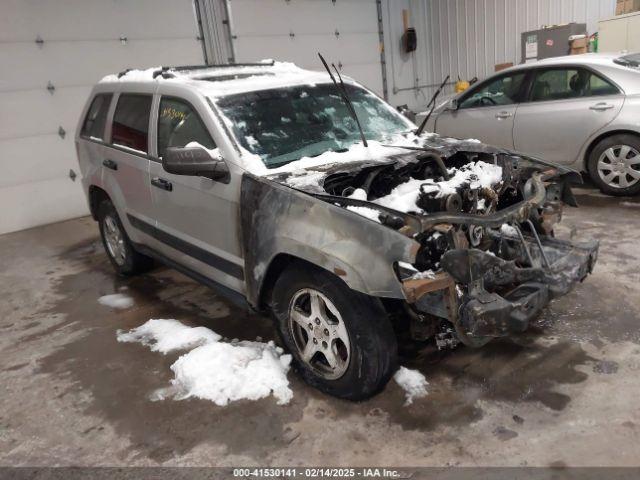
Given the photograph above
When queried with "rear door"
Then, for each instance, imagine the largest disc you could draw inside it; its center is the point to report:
(126, 161)
(486, 112)
(565, 106)
(197, 218)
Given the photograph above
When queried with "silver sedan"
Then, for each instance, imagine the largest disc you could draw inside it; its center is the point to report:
(581, 111)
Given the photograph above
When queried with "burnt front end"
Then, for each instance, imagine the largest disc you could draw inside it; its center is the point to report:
(487, 259)
(489, 274)
(485, 294)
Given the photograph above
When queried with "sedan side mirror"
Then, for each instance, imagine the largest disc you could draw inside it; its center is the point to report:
(195, 161)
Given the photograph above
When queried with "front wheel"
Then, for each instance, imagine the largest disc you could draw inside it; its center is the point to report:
(342, 341)
(614, 165)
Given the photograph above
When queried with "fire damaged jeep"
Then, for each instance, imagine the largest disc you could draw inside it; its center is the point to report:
(304, 195)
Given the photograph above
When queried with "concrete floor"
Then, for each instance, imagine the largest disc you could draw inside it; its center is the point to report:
(563, 394)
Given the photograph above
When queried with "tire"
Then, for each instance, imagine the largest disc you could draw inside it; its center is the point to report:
(124, 258)
(361, 343)
(611, 177)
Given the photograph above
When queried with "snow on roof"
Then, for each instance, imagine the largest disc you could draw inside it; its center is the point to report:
(227, 80)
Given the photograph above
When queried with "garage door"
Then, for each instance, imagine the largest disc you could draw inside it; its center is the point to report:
(52, 52)
(344, 31)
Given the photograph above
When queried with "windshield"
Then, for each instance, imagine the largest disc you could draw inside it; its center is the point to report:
(285, 124)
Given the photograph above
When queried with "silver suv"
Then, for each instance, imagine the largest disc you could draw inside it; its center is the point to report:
(305, 195)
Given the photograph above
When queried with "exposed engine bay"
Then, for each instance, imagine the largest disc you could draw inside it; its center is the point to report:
(484, 218)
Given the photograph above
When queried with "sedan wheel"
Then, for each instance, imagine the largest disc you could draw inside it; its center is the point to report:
(319, 333)
(619, 166)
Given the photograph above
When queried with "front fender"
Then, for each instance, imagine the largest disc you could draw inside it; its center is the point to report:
(276, 219)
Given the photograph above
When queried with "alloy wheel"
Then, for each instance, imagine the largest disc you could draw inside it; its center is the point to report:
(115, 240)
(619, 166)
(319, 333)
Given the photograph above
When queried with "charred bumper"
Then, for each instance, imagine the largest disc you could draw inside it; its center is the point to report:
(486, 296)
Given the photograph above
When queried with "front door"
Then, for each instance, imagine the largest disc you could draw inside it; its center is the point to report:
(197, 218)
(565, 107)
(486, 112)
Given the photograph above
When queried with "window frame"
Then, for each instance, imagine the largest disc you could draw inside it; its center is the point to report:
(535, 71)
(112, 118)
(161, 96)
(521, 93)
(107, 120)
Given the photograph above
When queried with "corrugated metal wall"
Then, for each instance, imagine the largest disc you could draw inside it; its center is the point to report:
(344, 31)
(213, 16)
(468, 38)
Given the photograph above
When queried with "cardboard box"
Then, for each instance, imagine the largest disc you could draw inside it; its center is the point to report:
(579, 51)
(580, 43)
(627, 6)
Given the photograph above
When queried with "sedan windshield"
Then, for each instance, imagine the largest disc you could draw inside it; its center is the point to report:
(285, 124)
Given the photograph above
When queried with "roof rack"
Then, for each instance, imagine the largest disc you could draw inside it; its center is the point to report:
(270, 63)
(166, 71)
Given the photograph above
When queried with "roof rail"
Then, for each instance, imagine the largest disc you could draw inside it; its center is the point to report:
(166, 71)
(220, 65)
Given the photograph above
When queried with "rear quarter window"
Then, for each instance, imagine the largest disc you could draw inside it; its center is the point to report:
(131, 122)
(96, 119)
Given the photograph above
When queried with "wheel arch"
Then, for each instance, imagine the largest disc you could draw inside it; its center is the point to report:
(96, 196)
(276, 267)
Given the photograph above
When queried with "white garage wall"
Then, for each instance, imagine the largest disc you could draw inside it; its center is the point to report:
(344, 31)
(81, 44)
(468, 38)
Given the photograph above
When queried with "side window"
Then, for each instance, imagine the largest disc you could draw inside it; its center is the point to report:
(600, 86)
(559, 84)
(567, 83)
(179, 125)
(502, 91)
(131, 122)
(96, 118)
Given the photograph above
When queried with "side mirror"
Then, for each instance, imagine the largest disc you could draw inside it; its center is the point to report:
(452, 104)
(195, 161)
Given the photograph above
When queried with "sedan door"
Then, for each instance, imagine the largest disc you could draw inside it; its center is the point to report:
(566, 106)
(487, 112)
(197, 217)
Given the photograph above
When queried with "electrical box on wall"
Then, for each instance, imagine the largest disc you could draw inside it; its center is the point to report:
(409, 37)
(549, 42)
(410, 40)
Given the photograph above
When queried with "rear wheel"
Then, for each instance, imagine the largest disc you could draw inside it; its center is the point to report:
(342, 341)
(124, 258)
(614, 165)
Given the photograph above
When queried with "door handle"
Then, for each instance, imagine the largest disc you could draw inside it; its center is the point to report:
(601, 107)
(162, 183)
(503, 115)
(110, 164)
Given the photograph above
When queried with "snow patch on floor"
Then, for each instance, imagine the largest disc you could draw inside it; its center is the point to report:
(213, 370)
(166, 336)
(119, 301)
(412, 382)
